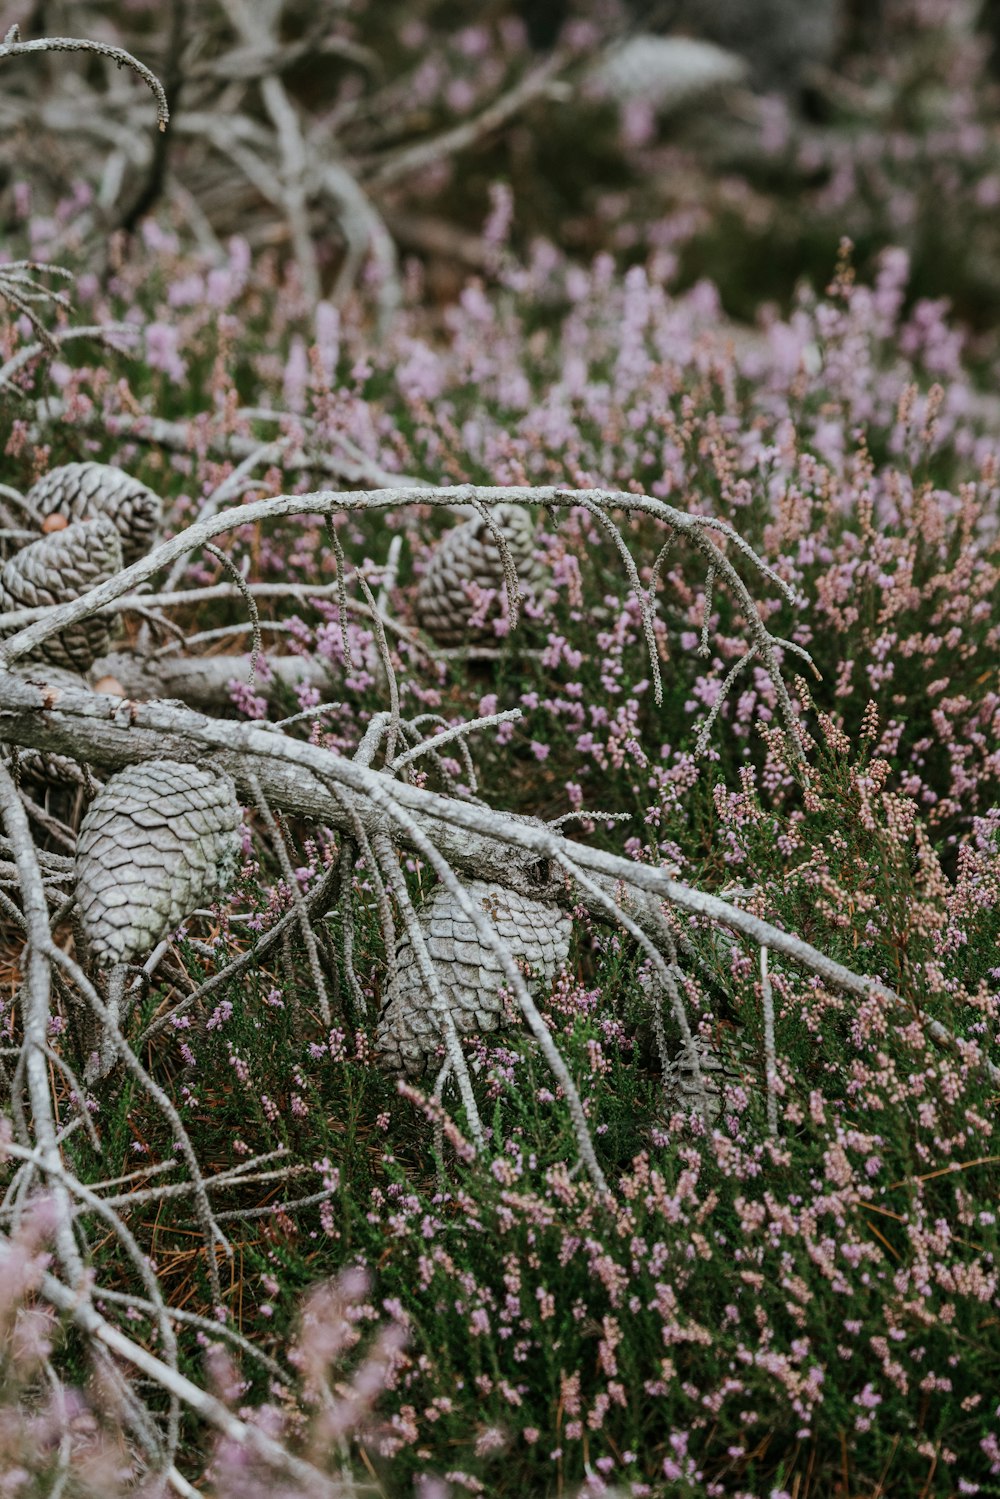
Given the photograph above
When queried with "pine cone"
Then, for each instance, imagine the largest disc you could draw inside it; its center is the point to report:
(84, 491)
(61, 567)
(409, 1034)
(666, 72)
(159, 840)
(466, 559)
(721, 1067)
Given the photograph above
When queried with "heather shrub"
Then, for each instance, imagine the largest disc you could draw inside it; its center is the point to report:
(755, 1307)
(54, 1437)
(846, 444)
(793, 1291)
(51, 1440)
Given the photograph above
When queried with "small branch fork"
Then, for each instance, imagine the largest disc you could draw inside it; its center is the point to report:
(23, 292)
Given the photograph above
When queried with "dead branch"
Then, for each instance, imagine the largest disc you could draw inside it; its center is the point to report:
(203, 681)
(474, 838)
(12, 46)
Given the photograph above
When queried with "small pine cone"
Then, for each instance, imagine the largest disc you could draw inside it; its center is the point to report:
(159, 840)
(43, 768)
(84, 491)
(409, 1033)
(721, 1067)
(59, 568)
(467, 560)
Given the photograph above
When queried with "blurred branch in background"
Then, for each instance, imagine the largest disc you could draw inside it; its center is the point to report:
(757, 132)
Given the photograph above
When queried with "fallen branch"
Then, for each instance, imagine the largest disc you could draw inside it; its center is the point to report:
(490, 845)
(699, 530)
(411, 159)
(203, 681)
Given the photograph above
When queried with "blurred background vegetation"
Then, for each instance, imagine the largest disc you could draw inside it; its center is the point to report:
(740, 139)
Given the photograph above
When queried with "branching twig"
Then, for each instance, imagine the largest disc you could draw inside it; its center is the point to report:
(295, 895)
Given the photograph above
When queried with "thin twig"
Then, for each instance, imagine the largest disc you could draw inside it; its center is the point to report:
(298, 903)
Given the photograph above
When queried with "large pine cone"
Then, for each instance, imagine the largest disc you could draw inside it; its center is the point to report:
(409, 1033)
(61, 567)
(158, 841)
(84, 491)
(468, 559)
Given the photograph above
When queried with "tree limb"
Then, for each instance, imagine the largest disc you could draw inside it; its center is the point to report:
(487, 844)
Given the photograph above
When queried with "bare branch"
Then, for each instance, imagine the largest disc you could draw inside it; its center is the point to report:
(412, 159)
(295, 777)
(326, 502)
(12, 46)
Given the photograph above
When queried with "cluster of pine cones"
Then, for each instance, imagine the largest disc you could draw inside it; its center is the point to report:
(93, 520)
(159, 839)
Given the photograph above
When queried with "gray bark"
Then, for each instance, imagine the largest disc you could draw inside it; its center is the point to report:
(296, 777)
(203, 682)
